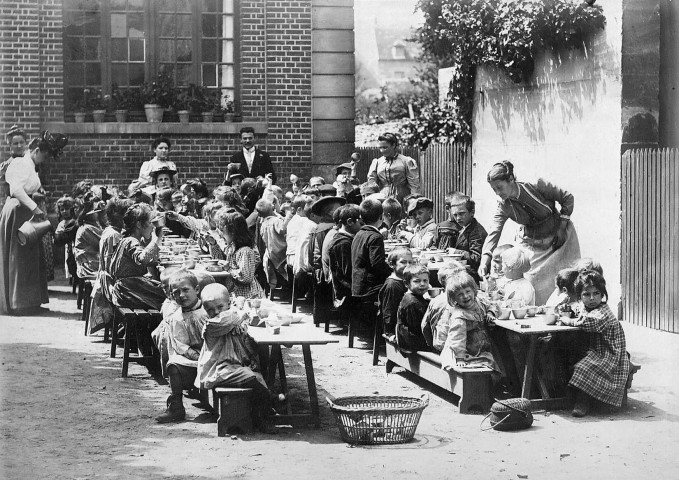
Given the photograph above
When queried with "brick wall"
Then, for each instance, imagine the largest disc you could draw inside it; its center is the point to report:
(274, 77)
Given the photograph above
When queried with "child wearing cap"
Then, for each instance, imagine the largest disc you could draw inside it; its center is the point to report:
(86, 245)
(424, 236)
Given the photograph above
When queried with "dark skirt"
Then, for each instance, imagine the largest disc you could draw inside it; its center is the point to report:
(23, 284)
(138, 292)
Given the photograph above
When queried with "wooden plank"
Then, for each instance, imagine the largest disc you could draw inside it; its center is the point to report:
(624, 241)
(674, 238)
(665, 261)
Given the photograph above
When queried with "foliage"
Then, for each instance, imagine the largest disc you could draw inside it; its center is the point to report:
(91, 99)
(124, 98)
(391, 102)
(198, 98)
(505, 34)
(160, 91)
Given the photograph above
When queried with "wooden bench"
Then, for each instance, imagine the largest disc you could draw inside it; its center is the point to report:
(472, 385)
(234, 408)
(132, 320)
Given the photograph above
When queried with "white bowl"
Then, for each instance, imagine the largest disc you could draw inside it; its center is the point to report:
(504, 313)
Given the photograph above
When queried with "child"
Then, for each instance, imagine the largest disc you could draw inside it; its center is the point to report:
(299, 227)
(394, 288)
(412, 308)
(448, 230)
(515, 263)
(167, 309)
(229, 355)
(185, 341)
(462, 337)
(424, 236)
(497, 279)
(86, 244)
(438, 307)
(66, 231)
(564, 292)
(469, 239)
(339, 253)
(391, 218)
(602, 373)
(273, 229)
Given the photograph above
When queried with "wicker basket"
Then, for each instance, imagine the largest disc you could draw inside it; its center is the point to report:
(375, 420)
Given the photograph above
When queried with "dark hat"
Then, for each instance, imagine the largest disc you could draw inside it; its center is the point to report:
(327, 190)
(236, 175)
(341, 167)
(164, 169)
(318, 205)
(416, 203)
(52, 142)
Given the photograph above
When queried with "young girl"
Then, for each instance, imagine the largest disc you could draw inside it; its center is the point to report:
(461, 337)
(412, 308)
(515, 263)
(394, 288)
(66, 231)
(602, 373)
(496, 280)
(564, 291)
(438, 307)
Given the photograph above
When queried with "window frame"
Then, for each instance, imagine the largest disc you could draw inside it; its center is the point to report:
(152, 62)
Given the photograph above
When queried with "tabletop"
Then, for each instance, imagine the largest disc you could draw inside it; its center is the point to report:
(535, 326)
(295, 334)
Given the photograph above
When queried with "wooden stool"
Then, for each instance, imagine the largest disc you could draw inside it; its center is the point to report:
(233, 405)
(131, 319)
(87, 284)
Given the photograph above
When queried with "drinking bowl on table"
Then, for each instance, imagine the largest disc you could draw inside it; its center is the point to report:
(519, 313)
(531, 310)
(285, 319)
(504, 313)
(549, 318)
(255, 302)
(434, 292)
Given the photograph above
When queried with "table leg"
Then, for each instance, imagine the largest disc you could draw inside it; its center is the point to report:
(528, 370)
(274, 359)
(311, 382)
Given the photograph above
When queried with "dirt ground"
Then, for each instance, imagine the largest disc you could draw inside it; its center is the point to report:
(66, 414)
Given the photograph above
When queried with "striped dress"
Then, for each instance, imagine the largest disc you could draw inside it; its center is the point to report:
(603, 371)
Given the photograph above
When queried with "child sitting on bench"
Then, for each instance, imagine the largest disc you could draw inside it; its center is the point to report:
(184, 333)
(394, 288)
(229, 355)
(412, 308)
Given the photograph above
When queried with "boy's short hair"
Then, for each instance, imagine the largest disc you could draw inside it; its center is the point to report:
(264, 206)
(182, 275)
(517, 259)
(167, 274)
(369, 188)
(458, 198)
(347, 212)
(497, 253)
(590, 278)
(566, 278)
(397, 253)
(448, 269)
(300, 201)
(213, 291)
(414, 270)
(315, 181)
(588, 263)
(371, 211)
(204, 279)
(392, 207)
(456, 282)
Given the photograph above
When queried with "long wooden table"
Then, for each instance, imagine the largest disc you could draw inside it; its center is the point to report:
(304, 334)
(531, 329)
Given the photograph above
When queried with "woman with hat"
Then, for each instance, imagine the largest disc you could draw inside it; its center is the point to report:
(161, 147)
(546, 233)
(424, 235)
(23, 284)
(86, 246)
(163, 177)
(396, 174)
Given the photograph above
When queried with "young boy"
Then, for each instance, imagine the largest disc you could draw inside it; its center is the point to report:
(448, 230)
(185, 340)
(424, 236)
(298, 228)
(273, 229)
(470, 238)
(411, 311)
(515, 263)
(339, 254)
(438, 307)
(394, 288)
(391, 217)
(229, 355)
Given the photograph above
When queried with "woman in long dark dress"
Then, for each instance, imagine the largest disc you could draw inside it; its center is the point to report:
(23, 283)
(139, 249)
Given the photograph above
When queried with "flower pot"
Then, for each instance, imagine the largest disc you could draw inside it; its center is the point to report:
(207, 117)
(79, 117)
(121, 116)
(183, 116)
(98, 115)
(154, 113)
(228, 117)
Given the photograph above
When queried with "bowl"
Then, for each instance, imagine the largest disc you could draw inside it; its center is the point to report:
(434, 292)
(255, 302)
(531, 310)
(171, 264)
(451, 252)
(285, 319)
(519, 313)
(297, 317)
(549, 318)
(504, 313)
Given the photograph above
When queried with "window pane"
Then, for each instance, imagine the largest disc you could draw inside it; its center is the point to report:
(227, 27)
(93, 73)
(209, 50)
(184, 26)
(135, 25)
(167, 51)
(226, 76)
(227, 6)
(210, 5)
(183, 5)
(74, 49)
(136, 73)
(118, 4)
(167, 5)
(82, 4)
(92, 49)
(209, 26)
(210, 75)
(119, 49)
(137, 50)
(74, 74)
(135, 5)
(184, 50)
(166, 27)
(92, 23)
(118, 25)
(119, 74)
(183, 74)
(227, 53)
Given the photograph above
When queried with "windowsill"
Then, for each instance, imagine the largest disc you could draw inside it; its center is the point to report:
(168, 128)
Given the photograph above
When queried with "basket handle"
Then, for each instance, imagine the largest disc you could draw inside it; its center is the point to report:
(525, 414)
(492, 426)
(425, 399)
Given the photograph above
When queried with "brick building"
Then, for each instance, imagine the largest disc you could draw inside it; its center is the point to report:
(288, 65)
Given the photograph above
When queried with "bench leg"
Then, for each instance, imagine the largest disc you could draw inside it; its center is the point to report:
(107, 331)
(350, 329)
(126, 346)
(377, 335)
(311, 383)
(114, 333)
(390, 366)
(234, 414)
(476, 394)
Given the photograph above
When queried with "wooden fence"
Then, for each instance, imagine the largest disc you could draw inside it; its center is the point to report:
(443, 168)
(650, 238)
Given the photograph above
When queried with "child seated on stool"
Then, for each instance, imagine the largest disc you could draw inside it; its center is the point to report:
(229, 355)
(439, 307)
(394, 288)
(602, 373)
(184, 330)
(412, 308)
(462, 336)
(515, 263)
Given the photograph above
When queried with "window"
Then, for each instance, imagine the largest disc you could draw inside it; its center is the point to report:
(126, 42)
(398, 51)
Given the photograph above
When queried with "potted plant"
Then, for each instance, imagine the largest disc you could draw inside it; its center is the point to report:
(182, 104)
(228, 110)
(97, 102)
(157, 96)
(80, 109)
(122, 100)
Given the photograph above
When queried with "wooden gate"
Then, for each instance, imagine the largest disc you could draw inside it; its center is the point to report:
(650, 238)
(443, 168)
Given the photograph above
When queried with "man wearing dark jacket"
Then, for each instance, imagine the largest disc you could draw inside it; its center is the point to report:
(252, 161)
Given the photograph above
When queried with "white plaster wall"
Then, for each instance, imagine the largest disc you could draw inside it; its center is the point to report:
(565, 126)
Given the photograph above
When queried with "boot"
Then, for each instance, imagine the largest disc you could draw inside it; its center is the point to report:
(582, 404)
(175, 410)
